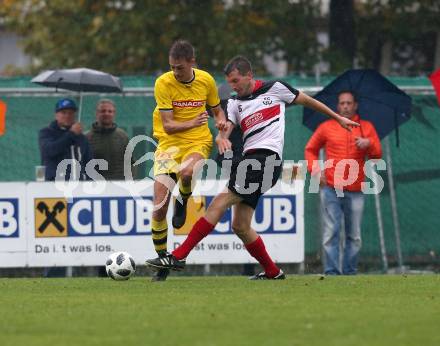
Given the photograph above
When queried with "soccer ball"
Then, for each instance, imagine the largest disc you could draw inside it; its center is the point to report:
(120, 266)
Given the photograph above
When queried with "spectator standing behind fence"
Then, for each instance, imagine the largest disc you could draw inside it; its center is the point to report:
(341, 195)
(63, 139)
(108, 141)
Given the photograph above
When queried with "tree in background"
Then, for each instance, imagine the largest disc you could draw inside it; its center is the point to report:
(342, 34)
(131, 37)
(134, 36)
(285, 30)
(115, 36)
(399, 36)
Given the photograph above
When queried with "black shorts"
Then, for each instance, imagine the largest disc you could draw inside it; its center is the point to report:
(254, 174)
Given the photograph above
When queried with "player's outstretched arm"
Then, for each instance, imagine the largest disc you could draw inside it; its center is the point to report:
(307, 101)
(172, 126)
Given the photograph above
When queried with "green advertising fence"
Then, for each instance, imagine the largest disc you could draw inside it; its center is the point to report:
(416, 162)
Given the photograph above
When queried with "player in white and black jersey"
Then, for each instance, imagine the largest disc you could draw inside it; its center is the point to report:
(259, 109)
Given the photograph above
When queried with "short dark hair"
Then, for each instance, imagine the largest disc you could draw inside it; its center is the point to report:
(102, 101)
(239, 63)
(182, 49)
(348, 92)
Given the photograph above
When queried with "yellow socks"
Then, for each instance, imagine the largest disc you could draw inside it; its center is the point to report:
(159, 232)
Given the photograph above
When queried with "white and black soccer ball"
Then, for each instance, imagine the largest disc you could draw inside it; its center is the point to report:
(120, 266)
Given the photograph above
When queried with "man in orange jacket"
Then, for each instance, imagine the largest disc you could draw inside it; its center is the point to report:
(341, 195)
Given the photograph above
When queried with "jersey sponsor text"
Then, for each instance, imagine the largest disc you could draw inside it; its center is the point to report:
(188, 104)
(259, 117)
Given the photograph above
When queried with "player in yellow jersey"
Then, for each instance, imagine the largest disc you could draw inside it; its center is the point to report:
(180, 124)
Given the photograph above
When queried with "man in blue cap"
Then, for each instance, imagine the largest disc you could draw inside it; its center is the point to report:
(63, 140)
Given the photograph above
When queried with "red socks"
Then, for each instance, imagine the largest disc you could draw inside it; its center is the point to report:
(258, 251)
(202, 228)
(199, 231)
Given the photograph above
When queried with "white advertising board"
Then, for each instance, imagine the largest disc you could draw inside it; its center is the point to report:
(13, 228)
(278, 218)
(83, 227)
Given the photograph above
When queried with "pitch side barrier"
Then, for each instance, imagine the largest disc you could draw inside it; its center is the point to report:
(81, 224)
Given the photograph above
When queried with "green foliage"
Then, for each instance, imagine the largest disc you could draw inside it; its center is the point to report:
(128, 37)
(411, 26)
(135, 36)
(302, 310)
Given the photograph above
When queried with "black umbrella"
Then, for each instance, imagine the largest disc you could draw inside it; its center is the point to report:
(224, 91)
(81, 80)
(380, 101)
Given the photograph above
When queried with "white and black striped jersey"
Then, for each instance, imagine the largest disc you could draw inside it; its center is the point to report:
(261, 115)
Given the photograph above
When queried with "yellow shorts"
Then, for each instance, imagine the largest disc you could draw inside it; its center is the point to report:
(167, 159)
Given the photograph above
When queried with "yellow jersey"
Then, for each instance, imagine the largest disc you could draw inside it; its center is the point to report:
(187, 101)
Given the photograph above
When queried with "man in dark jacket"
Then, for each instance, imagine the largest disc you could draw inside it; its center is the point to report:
(63, 140)
(108, 141)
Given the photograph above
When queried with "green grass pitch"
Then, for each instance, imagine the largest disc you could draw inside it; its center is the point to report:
(302, 310)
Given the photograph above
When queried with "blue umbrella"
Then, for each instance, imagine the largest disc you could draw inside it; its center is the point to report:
(379, 101)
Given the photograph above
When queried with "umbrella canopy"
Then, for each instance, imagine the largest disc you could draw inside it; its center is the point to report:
(379, 101)
(224, 91)
(79, 79)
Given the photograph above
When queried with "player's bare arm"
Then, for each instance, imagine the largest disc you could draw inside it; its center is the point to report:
(307, 101)
(172, 126)
(222, 138)
(219, 118)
